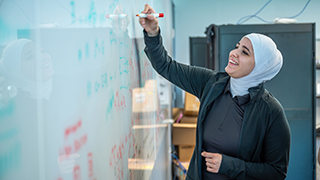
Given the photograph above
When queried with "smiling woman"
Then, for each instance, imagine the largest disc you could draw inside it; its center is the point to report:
(29, 62)
(242, 132)
(25, 65)
(241, 59)
(258, 59)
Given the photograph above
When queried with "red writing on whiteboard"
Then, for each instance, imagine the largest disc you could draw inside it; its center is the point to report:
(119, 102)
(116, 160)
(77, 145)
(120, 152)
(76, 173)
(90, 166)
(72, 129)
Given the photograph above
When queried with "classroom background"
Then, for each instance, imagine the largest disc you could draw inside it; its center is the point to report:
(80, 100)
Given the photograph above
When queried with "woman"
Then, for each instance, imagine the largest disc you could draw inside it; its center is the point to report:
(242, 132)
(22, 61)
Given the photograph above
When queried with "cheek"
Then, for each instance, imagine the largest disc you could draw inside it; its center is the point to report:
(252, 64)
(249, 66)
(28, 69)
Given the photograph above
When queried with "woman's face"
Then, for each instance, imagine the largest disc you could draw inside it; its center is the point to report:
(241, 59)
(29, 63)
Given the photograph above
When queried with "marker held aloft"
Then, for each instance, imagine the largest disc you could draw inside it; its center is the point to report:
(154, 14)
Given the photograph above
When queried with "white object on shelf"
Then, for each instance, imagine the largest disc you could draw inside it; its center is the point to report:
(284, 21)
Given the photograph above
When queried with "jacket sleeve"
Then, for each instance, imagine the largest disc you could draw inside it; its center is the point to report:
(275, 154)
(189, 78)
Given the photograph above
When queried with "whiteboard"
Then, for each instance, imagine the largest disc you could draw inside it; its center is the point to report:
(78, 96)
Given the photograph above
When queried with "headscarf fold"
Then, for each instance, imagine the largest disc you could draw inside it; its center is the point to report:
(268, 62)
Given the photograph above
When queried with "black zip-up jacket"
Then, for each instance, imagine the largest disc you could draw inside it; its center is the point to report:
(265, 135)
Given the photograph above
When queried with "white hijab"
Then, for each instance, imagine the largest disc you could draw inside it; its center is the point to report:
(10, 69)
(268, 62)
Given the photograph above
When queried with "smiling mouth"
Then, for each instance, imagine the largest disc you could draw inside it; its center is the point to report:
(233, 62)
(46, 65)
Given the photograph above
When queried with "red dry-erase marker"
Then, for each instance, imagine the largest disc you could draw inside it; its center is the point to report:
(154, 14)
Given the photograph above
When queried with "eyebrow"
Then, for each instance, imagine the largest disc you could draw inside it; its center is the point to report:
(244, 47)
(28, 55)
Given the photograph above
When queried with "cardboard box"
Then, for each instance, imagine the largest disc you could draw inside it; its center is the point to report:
(184, 134)
(191, 105)
(189, 119)
(185, 152)
(176, 113)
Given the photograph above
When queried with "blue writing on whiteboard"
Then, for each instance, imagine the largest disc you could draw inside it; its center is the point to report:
(110, 106)
(79, 54)
(10, 159)
(97, 86)
(73, 11)
(104, 80)
(96, 48)
(87, 50)
(92, 13)
(88, 88)
(7, 110)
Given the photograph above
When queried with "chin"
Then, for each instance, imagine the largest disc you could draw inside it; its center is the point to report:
(228, 71)
(47, 75)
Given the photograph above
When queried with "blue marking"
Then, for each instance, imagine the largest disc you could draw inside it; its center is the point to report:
(124, 71)
(113, 40)
(10, 160)
(123, 44)
(88, 88)
(112, 7)
(97, 86)
(96, 47)
(7, 110)
(123, 57)
(73, 12)
(92, 14)
(79, 54)
(110, 105)
(104, 80)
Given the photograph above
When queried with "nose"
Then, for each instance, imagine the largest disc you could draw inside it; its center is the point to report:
(234, 53)
(46, 57)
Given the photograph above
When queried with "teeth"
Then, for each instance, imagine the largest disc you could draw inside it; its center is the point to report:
(46, 65)
(233, 62)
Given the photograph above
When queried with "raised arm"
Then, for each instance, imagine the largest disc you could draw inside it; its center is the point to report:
(190, 78)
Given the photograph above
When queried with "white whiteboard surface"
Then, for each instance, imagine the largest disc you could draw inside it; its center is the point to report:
(78, 96)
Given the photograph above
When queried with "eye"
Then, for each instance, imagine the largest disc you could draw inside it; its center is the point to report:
(244, 52)
(28, 56)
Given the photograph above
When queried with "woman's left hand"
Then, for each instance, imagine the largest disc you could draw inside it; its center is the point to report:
(213, 161)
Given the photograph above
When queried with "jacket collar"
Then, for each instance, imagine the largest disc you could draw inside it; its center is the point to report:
(254, 92)
(222, 77)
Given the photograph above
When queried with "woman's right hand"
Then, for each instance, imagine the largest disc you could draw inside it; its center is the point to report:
(150, 23)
